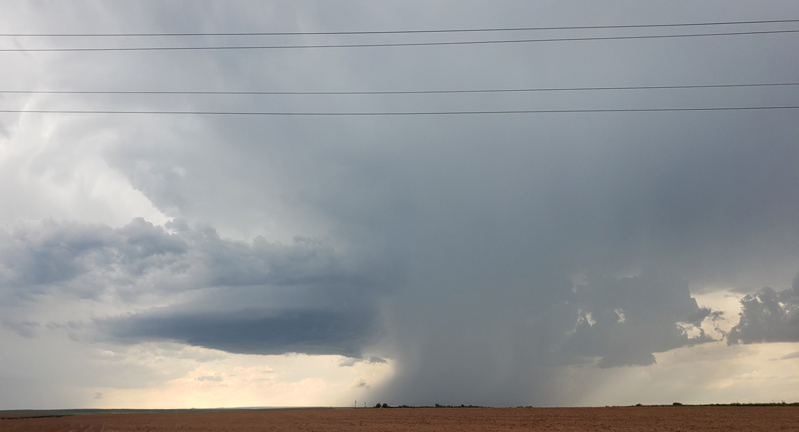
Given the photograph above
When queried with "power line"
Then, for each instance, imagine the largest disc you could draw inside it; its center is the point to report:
(393, 92)
(398, 113)
(471, 30)
(397, 44)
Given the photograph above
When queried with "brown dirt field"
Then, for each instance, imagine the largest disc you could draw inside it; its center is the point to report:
(427, 419)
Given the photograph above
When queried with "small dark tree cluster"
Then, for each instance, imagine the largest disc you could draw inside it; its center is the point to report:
(379, 405)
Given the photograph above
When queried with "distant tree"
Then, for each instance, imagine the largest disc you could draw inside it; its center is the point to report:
(385, 405)
(377, 405)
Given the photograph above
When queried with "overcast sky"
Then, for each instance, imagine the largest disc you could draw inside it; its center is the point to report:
(498, 259)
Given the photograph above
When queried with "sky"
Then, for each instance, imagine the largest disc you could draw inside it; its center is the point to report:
(548, 259)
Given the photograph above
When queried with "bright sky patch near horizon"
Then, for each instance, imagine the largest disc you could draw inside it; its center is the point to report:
(557, 258)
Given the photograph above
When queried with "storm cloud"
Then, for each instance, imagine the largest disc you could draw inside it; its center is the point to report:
(264, 332)
(477, 255)
(93, 260)
(140, 259)
(768, 316)
(625, 321)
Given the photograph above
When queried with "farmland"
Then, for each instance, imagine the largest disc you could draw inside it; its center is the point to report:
(682, 418)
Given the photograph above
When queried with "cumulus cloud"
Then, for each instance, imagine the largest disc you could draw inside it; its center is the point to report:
(624, 321)
(768, 316)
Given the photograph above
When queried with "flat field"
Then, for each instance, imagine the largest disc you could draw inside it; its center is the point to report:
(685, 418)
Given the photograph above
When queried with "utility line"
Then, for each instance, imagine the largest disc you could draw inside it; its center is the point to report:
(399, 113)
(392, 92)
(398, 44)
(330, 33)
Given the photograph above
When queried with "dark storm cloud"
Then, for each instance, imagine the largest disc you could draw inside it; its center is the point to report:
(624, 321)
(312, 332)
(239, 310)
(464, 236)
(352, 361)
(93, 259)
(305, 262)
(768, 316)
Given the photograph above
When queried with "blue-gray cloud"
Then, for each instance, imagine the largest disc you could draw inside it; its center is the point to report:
(625, 321)
(28, 329)
(85, 259)
(253, 297)
(264, 332)
(94, 259)
(768, 316)
(789, 356)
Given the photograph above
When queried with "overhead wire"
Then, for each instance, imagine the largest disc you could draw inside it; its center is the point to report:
(393, 92)
(403, 113)
(394, 44)
(378, 32)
